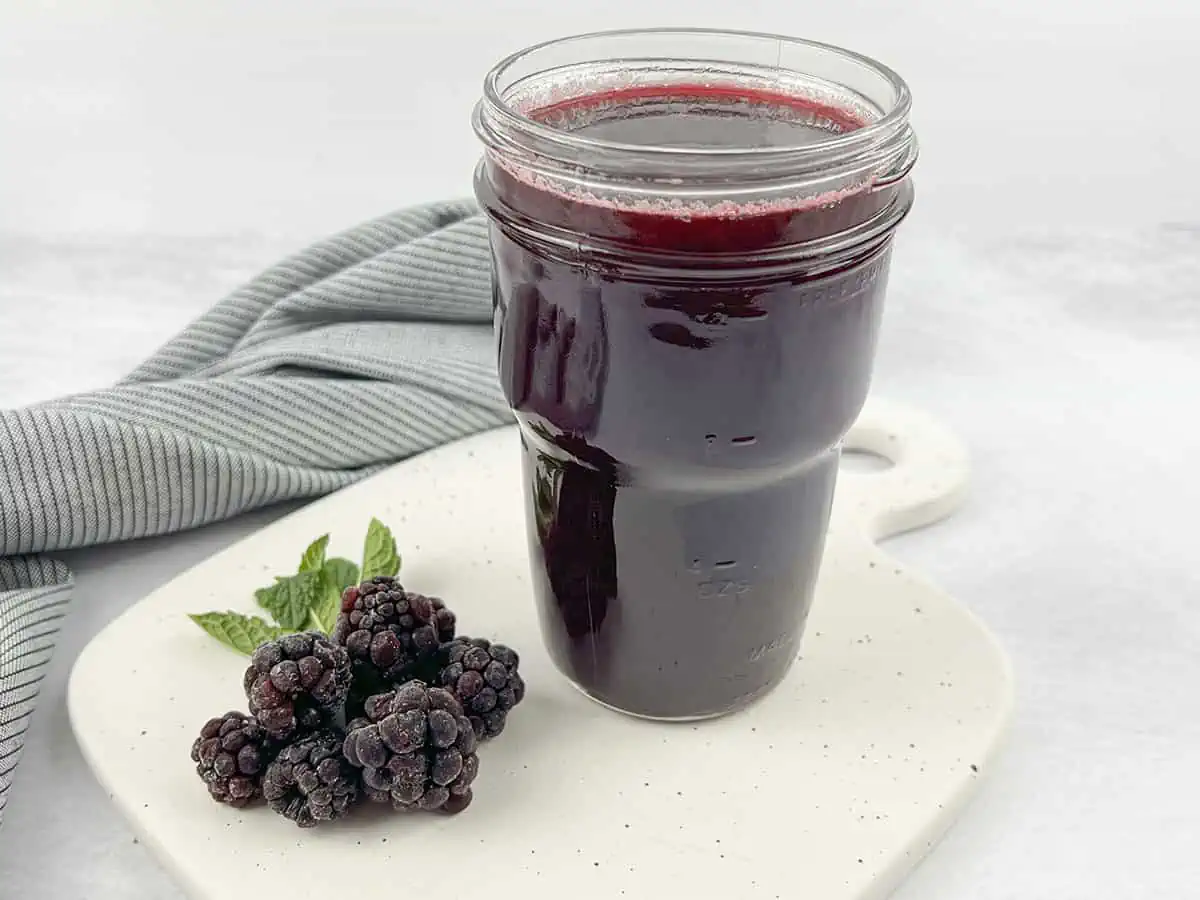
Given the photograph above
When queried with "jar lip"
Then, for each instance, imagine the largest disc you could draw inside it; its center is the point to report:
(891, 120)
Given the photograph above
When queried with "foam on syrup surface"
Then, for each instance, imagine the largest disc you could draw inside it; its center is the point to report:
(699, 117)
(689, 117)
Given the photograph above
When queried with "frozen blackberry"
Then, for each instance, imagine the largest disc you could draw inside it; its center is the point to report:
(297, 683)
(231, 754)
(310, 781)
(416, 749)
(483, 677)
(388, 630)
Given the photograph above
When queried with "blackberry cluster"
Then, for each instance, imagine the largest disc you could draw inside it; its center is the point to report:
(418, 701)
(310, 781)
(231, 754)
(483, 677)
(388, 631)
(416, 749)
(297, 683)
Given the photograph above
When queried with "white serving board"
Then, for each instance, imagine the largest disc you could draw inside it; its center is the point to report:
(832, 787)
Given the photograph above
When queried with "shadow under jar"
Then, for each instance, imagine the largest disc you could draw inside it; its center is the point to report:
(690, 234)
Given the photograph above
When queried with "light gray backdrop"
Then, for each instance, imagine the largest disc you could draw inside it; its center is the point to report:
(1045, 301)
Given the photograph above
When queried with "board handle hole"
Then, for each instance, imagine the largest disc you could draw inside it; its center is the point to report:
(856, 459)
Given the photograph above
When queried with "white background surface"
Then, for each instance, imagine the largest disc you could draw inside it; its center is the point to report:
(1045, 302)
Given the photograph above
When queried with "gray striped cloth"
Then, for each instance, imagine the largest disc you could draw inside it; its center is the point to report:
(364, 349)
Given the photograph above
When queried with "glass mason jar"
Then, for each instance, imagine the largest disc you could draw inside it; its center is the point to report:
(690, 233)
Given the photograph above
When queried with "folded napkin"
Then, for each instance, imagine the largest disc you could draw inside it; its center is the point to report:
(364, 349)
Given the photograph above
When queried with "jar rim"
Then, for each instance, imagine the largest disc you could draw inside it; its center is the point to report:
(890, 121)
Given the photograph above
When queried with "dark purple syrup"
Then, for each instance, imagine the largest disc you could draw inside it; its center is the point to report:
(680, 426)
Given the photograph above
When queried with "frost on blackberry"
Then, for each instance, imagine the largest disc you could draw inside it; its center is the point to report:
(416, 749)
(483, 677)
(231, 754)
(297, 683)
(310, 781)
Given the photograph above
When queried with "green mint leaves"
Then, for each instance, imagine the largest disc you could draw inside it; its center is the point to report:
(323, 614)
(242, 633)
(288, 600)
(314, 557)
(379, 552)
(341, 573)
(311, 599)
(336, 575)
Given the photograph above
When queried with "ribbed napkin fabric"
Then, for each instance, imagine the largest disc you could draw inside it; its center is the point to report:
(364, 349)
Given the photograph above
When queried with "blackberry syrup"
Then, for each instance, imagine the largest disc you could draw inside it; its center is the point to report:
(681, 400)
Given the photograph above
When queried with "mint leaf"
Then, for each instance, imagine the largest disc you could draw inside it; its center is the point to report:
(341, 573)
(379, 552)
(236, 631)
(324, 613)
(288, 600)
(314, 557)
(336, 575)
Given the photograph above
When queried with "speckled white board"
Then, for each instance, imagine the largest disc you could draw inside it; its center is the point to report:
(832, 787)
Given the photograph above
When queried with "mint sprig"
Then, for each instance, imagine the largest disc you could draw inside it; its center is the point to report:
(310, 599)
